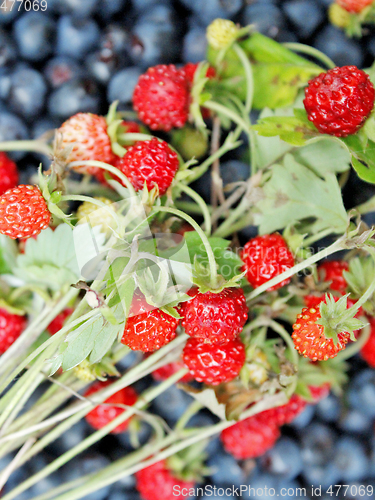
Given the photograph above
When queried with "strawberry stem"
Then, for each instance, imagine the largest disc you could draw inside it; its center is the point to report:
(206, 243)
(31, 146)
(219, 108)
(311, 51)
(201, 203)
(355, 347)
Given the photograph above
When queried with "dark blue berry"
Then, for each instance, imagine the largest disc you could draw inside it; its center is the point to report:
(284, 459)
(61, 69)
(27, 92)
(34, 33)
(305, 15)
(354, 421)
(78, 8)
(342, 50)
(350, 459)
(209, 10)
(153, 44)
(88, 464)
(304, 418)
(77, 95)
(329, 408)
(121, 85)
(267, 18)
(108, 8)
(225, 470)
(194, 45)
(12, 128)
(8, 50)
(361, 393)
(172, 403)
(76, 37)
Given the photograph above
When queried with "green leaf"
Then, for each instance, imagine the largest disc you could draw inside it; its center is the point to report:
(362, 156)
(294, 193)
(8, 254)
(295, 130)
(50, 260)
(104, 342)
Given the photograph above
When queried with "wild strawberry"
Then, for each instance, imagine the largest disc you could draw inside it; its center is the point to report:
(152, 162)
(285, 414)
(265, 257)
(368, 350)
(87, 135)
(332, 270)
(11, 327)
(96, 215)
(214, 364)
(250, 438)
(102, 414)
(131, 127)
(354, 6)
(319, 392)
(23, 212)
(191, 68)
(158, 482)
(221, 33)
(170, 369)
(8, 173)
(339, 101)
(57, 323)
(147, 329)
(161, 98)
(215, 317)
(309, 339)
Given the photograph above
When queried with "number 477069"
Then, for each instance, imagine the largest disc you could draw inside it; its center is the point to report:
(28, 5)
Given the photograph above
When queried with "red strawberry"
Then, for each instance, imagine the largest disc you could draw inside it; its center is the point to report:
(87, 135)
(265, 257)
(191, 68)
(11, 327)
(319, 392)
(102, 414)
(148, 329)
(8, 173)
(158, 482)
(332, 270)
(285, 414)
(170, 369)
(131, 127)
(57, 323)
(215, 317)
(23, 212)
(309, 338)
(250, 438)
(152, 162)
(214, 364)
(161, 98)
(339, 101)
(368, 350)
(354, 6)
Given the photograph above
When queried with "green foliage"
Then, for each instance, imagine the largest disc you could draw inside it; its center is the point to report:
(294, 193)
(8, 254)
(50, 261)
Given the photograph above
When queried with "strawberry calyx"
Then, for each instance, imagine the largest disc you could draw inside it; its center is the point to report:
(202, 278)
(88, 372)
(337, 318)
(188, 464)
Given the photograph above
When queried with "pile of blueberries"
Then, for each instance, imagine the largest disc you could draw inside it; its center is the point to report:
(80, 55)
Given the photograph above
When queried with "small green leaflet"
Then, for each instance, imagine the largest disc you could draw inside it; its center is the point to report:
(362, 156)
(8, 253)
(294, 193)
(94, 338)
(50, 261)
(295, 130)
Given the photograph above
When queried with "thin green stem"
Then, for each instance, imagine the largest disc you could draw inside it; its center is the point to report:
(219, 108)
(354, 347)
(206, 243)
(316, 237)
(132, 137)
(306, 49)
(368, 206)
(94, 201)
(32, 146)
(105, 166)
(249, 76)
(190, 412)
(287, 339)
(201, 203)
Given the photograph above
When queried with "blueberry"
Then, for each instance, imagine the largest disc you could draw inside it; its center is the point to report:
(353, 421)
(317, 444)
(159, 14)
(76, 37)
(342, 50)
(88, 464)
(234, 171)
(194, 45)
(153, 44)
(304, 418)
(60, 70)
(122, 84)
(209, 10)
(77, 95)
(34, 33)
(305, 15)
(268, 19)
(10, 12)
(329, 408)
(27, 92)
(70, 438)
(116, 38)
(8, 51)
(143, 5)
(350, 459)
(124, 495)
(107, 8)
(102, 65)
(321, 475)
(127, 361)
(143, 434)
(214, 446)
(361, 393)
(225, 470)
(42, 126)
(12, 128)
(172, 403)
(77, 8)
(284, 459)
